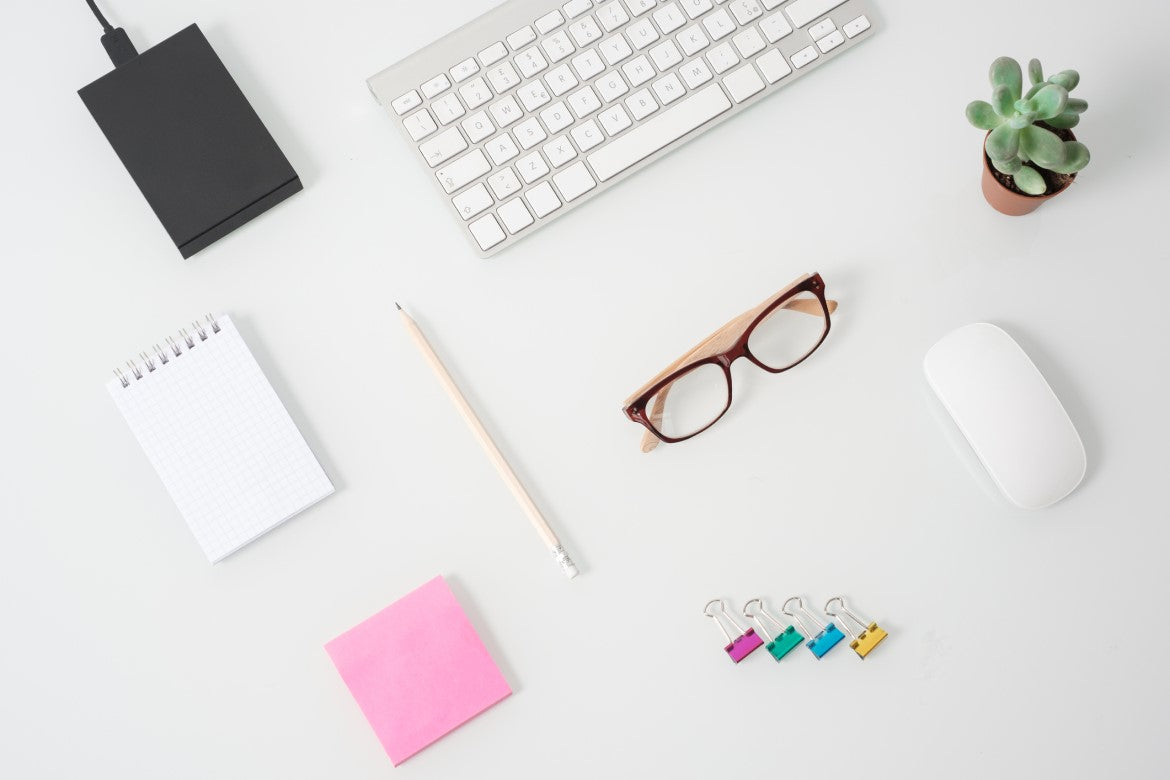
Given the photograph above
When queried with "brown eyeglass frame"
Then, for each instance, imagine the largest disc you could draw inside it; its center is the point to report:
(722, 348)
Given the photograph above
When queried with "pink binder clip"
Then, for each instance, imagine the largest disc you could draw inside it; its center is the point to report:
(745, 640)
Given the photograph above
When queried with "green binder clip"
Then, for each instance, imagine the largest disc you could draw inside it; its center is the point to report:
(786, 638)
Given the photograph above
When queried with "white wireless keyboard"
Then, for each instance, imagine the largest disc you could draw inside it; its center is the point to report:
(537, 106)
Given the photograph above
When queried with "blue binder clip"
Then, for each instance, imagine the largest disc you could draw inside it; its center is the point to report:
(823, 640)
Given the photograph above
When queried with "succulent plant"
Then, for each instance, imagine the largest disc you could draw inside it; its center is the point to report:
(1017, 145)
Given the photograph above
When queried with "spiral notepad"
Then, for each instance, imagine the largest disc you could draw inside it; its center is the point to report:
(223, 444)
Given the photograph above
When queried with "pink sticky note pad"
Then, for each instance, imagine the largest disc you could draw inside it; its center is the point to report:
(417, 669)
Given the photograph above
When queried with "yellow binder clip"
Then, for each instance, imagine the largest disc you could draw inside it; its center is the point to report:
(870, 635)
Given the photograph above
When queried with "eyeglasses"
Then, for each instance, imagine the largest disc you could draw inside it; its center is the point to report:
(693, 392)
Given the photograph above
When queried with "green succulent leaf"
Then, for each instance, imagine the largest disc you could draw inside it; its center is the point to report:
(1002, 100)
(1077, 106)
(1067, 79)
(1008, 166)
(1050, 101)
(1030, 181)
(1035, 72)
(1019, 121)
(982, 115)
(1076, 157)
(1003, 142)
(1035, 88)
(1065, 121)
(1042, 146)
(1006, 72)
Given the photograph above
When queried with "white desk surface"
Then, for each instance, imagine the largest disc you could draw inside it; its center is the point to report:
(1021, 644)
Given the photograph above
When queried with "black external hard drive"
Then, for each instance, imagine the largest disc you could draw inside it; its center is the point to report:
(190, 140)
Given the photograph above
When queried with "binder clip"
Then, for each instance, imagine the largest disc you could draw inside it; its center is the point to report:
(870, 634)
(745, 641)
(785, 640)
(825, 639)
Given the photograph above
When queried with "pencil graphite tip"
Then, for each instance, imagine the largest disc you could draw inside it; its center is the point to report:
(397, 306)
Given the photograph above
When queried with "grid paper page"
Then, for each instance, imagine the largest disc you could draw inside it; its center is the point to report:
(221, 441)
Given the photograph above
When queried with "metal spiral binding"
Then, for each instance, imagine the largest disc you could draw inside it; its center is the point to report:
(163, 354)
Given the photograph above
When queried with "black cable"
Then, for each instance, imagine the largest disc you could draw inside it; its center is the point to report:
(115, 39)
(106, 26)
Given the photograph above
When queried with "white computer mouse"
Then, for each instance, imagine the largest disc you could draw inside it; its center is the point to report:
(1011, 418)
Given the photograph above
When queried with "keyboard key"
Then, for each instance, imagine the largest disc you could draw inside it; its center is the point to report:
(443, 147)
(503, 77)
(804, 57)
(775, 27)
(668, 89)
(478, 127)
(585, 31)
(584, 102)
(575, 8)
(665, 56)
(695, 73)
(669, 18)
(719, 25)
(404, 103)
(574, 181)
(472, 202)
(641, 104)
(522, 37)
(487, 232)
(642, 34)
(770, 4)
(502, 148)
(801, 12)
(773, 66)
(638, 71)
(556, 117)
(615, 49)
(532, 167)
(831, 41)
(465, 70)
(587, 135)
(530, 61)
(746, 10)
(514, 215)
(447, 109)
(856, 27)
(466, 169)
(549, 22)
(504, 183)
(743, 83)
(821, 29)
(559, 151)
(639, 7)
(529, 133)
(475, 93)
(419, 125)
(692, 40)
(612, 15)
(588, 64)
(557, 46)
(560, 80)
(542, 199)
(612, 86)
(722, 58)
(696, 8)
(614, 120)
(493, 54)
(505, 111)
(749, 42)
(533, 95)
(646, 139)
(435, 86)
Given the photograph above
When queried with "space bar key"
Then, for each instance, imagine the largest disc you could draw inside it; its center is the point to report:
(649, 137)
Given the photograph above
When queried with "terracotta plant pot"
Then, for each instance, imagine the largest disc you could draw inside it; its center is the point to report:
(1014, 204)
